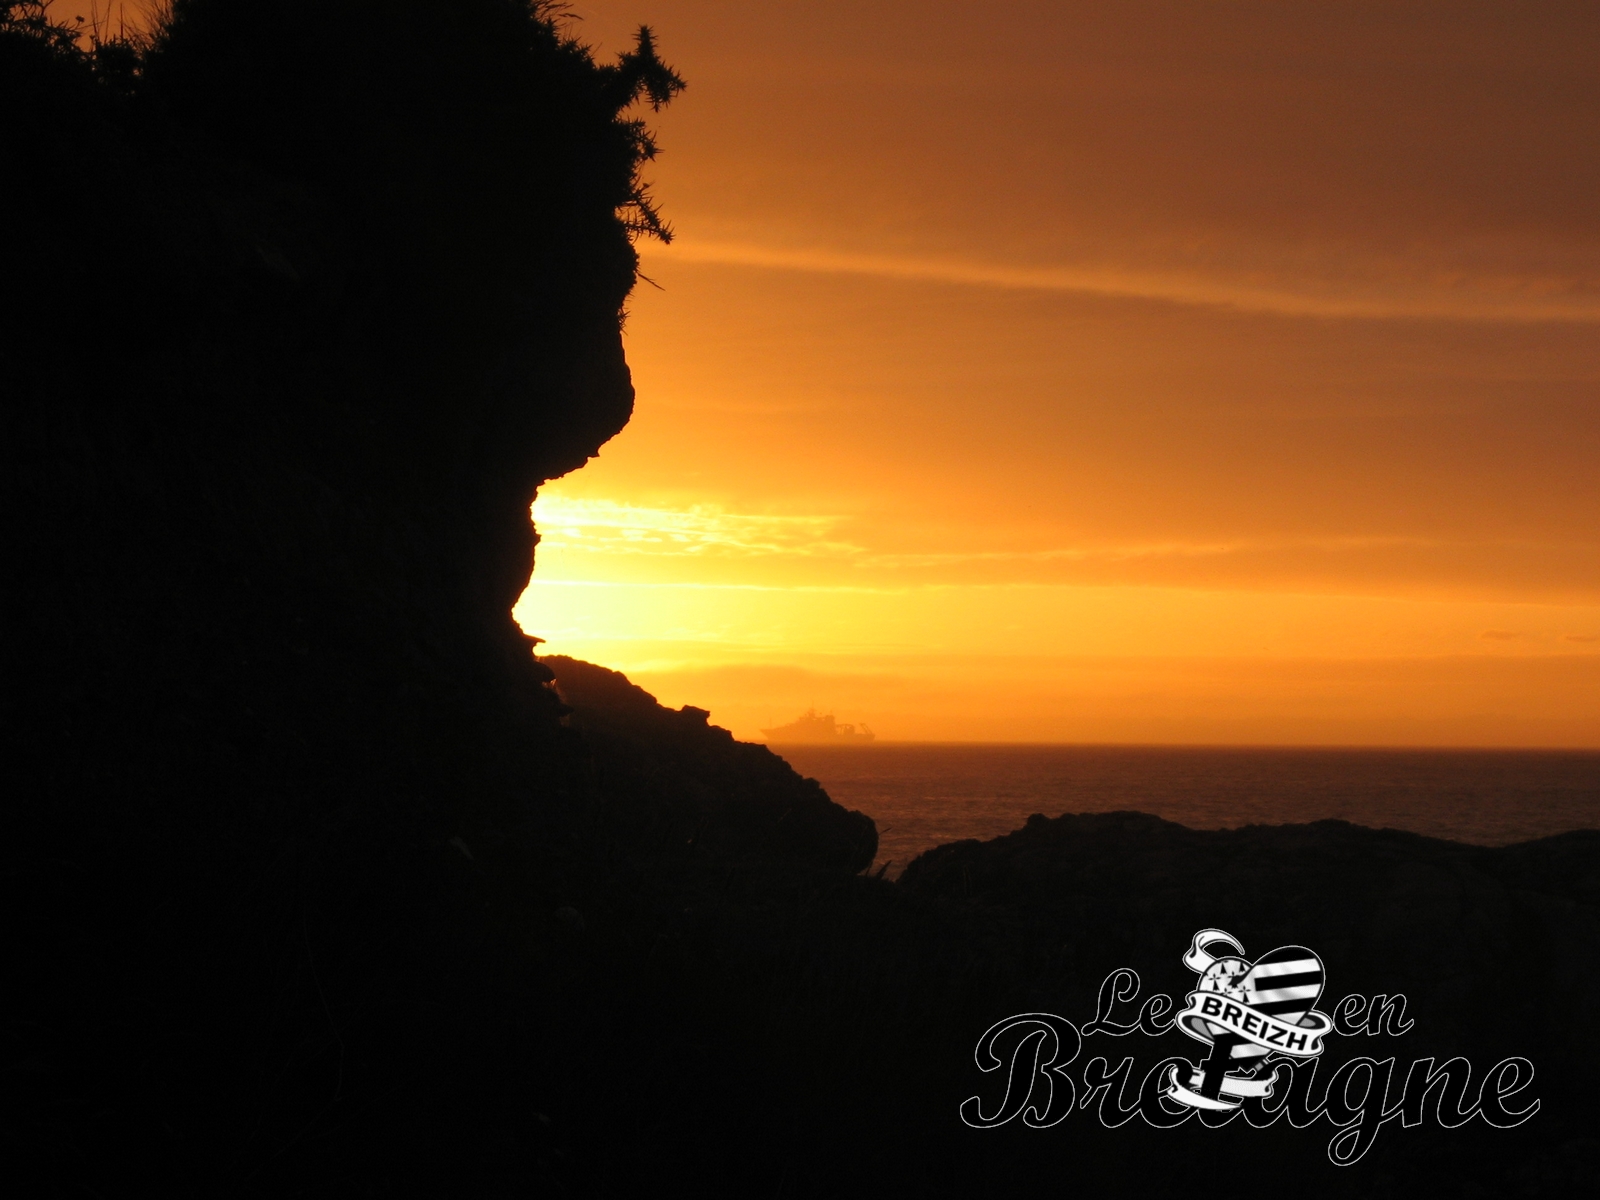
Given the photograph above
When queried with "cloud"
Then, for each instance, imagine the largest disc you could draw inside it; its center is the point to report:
(701, 530)
(705, 530)
(1468, 699)
(1492, 300)
(1581, 637)
(679, 543)
(1138, 551)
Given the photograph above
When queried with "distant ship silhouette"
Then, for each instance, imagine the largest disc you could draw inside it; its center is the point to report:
(812, 726)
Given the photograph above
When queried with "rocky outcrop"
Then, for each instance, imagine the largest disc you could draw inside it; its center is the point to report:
(300, 304)
(1455, 927)
(1493, 948)
(670, 780)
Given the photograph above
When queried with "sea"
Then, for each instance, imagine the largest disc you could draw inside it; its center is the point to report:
(924, 794)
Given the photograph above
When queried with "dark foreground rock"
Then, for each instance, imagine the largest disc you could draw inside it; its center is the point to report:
(814, 1034)
(667, 778)
(1493, 949)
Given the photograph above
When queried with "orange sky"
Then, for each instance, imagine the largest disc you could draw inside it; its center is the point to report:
(1134, 372)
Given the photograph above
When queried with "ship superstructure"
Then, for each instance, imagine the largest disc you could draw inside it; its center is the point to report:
(812, 726)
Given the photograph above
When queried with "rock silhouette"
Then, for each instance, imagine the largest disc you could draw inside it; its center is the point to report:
(1455, 928)
(671, 779)
(301, 303)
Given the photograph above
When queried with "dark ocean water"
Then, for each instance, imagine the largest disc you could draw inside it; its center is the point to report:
(924, 794)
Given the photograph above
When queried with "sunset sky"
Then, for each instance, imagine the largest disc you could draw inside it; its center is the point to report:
(1081, 372)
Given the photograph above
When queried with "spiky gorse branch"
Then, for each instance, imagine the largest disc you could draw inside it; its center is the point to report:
(641, 73)
(32, 17)
(117, 60)
(383, 171)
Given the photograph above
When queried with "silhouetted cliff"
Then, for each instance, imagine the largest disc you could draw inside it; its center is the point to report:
(671, 779)
(300, 301)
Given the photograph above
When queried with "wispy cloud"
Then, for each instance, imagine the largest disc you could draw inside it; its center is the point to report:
(1448, 299)
(700, 530)
(1144, 551)
(604, 527)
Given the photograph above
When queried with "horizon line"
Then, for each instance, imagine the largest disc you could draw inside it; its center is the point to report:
(1137, 745)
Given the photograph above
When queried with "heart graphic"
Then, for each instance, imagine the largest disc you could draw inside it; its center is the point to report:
(1245, 1011)
(1286, 983)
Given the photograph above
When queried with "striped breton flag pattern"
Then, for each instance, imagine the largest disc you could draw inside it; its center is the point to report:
(1286, 984)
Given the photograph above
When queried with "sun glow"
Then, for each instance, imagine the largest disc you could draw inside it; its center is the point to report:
(706, 607)
(576, 526)
(1088, 377)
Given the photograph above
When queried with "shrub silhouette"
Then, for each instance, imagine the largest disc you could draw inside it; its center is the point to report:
(471, 164)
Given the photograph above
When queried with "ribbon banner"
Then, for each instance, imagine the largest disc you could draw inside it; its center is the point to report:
(1232, 1085)
(1302, 1040)
(1246, 1012)
(1200, 957)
